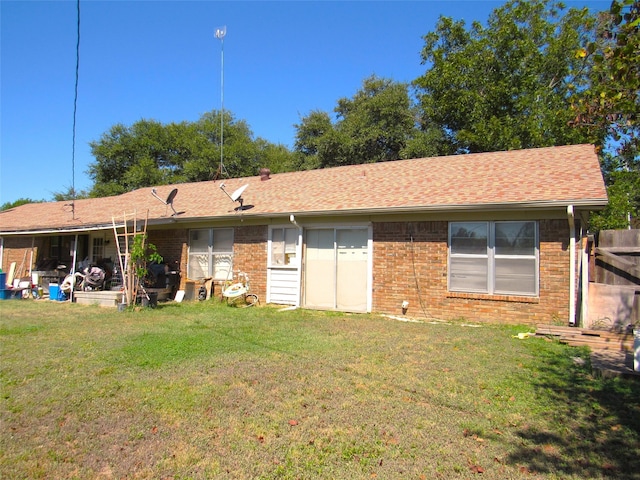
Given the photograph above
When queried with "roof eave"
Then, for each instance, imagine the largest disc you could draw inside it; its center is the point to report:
(584, 204)
(52, 230)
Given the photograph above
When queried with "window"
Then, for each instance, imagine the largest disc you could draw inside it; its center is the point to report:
(97, 250)
(493, 257)
(283, 247)
(210, 253)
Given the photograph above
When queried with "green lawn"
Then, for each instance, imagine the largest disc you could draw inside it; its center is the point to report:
(202, 390)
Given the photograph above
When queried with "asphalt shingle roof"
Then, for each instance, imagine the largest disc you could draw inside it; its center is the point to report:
(519, 178)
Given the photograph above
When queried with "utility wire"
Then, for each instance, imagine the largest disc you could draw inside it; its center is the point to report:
(415, 277)
(75, 107)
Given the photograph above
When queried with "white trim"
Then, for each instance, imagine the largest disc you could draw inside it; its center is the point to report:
(296, 268)
(572, 265)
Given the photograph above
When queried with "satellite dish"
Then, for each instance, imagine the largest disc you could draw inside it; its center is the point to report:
(169, 200)
(238, 193)
(236, 196)
(171, 196)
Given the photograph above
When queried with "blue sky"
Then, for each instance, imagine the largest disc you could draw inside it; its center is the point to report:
(160, 60)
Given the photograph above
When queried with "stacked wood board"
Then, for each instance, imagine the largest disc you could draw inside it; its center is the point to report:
(595, 339)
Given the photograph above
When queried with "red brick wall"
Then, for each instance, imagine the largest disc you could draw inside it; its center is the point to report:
(19, 250)
(250, 256)
(410, 263)
(173, 246)
(404, 253)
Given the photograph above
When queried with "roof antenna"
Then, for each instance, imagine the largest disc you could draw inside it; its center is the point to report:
(220, 34)
(169, 200)
(236, 196)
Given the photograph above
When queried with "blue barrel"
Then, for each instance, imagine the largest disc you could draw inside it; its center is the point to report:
(3, 281)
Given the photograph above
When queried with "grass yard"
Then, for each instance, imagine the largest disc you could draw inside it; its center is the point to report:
(204, 391)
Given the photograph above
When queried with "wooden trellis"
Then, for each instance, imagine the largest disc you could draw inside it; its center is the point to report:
(124, 234)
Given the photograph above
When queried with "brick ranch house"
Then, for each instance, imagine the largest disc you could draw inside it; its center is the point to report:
(492, 237)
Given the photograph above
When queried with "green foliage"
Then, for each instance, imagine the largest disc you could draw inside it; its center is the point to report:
(310, 134)
(375, 125)
(70, 194)
(611, 103)
(17, 203)
(507, 85)
(376, 121)
(150, 153)
(140, 253)
(622, 177)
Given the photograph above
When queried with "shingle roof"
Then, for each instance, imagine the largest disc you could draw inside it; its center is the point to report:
(552, 176)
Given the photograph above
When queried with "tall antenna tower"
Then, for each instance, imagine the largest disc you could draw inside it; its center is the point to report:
(220, 34)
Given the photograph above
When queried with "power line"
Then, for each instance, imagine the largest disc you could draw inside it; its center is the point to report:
(75, 106)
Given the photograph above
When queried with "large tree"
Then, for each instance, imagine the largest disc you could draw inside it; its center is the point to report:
(506, 85)
(612, 103)
(377, 124)
(151, 153)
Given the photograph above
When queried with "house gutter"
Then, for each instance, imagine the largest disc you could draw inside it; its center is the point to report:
(44, 231)
(594, 204)
(586, 204)
(572, 265)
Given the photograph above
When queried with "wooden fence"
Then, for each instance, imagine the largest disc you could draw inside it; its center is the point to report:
(614, 274)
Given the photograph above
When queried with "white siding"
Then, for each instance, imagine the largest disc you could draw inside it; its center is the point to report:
(283, 286)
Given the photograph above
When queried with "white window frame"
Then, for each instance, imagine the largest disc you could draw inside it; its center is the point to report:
(491, 257)
(293, 250)
(211, 254)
